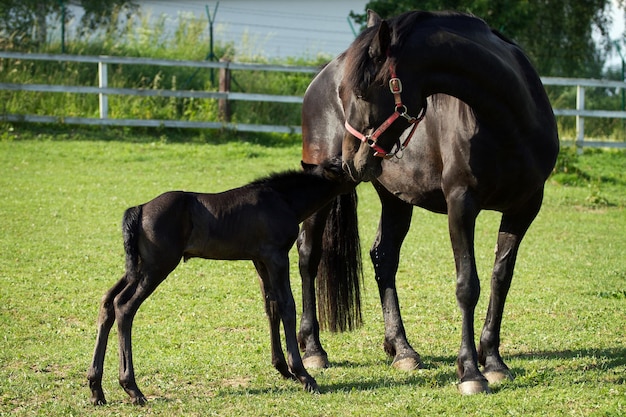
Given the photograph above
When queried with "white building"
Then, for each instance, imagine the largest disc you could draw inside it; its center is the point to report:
(271, 28)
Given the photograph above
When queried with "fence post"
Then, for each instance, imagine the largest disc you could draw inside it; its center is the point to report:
(103, 99)
(580, 120)
(224, 87)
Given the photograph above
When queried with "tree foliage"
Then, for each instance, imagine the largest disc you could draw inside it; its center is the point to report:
(556, 34)
(24, 23)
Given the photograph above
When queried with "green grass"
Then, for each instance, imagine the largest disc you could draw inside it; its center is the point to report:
(201, 341)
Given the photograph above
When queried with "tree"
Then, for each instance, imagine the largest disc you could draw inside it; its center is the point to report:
(24, 23)
(556, 34)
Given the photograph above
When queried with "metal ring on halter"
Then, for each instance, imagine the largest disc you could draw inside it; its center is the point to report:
(401, 108)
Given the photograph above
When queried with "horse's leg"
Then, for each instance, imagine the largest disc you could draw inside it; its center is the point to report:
(394, 224)
(310, 253)
(462, 213)
(273, 316)
(513, 227)
(126, 305)
(106, 317)
(278, 272)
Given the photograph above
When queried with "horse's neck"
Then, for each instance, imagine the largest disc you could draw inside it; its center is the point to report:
(487, 73)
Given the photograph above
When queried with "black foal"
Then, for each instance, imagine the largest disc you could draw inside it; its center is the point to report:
(257, 222)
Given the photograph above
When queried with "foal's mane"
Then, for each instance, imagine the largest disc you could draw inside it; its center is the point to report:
(289, 180)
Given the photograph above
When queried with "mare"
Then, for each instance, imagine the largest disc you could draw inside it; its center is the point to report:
(482, 137)
(258, 222)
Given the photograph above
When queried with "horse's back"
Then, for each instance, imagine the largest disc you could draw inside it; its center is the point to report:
(451, 148)
(322, 116)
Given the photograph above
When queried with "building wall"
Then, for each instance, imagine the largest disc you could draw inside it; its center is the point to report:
(270, 28)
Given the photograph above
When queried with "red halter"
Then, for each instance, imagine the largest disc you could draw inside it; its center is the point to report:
(395, 85)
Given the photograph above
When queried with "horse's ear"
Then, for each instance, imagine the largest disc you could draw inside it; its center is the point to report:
(380, 43)
(373, 18)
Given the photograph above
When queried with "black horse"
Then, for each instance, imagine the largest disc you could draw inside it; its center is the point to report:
(257, 222)
(482, 136)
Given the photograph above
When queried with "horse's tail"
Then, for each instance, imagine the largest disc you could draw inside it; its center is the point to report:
(131, 224)
(340, 273)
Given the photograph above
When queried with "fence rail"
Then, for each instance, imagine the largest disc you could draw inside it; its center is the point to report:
(103, 91)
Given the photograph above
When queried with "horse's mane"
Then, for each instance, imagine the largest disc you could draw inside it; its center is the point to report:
(358, 75)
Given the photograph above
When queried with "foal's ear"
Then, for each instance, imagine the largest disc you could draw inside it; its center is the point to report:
(307, 167)
(333, 169)
(373, 18)
(380, 43)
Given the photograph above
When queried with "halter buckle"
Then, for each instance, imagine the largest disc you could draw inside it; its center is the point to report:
(395, 85)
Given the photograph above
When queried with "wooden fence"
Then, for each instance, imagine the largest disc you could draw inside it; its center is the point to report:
(224, 95)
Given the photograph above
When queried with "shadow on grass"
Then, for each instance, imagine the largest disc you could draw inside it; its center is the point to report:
(613, 357)
(25, 131)
(439, 372)
(358, 377)
(589, 365)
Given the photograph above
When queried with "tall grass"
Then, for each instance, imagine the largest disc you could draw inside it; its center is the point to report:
(140, 37)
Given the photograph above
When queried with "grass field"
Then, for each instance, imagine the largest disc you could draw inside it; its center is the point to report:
(201, 341)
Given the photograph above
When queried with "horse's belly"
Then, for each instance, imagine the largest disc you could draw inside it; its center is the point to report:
(415, 183)
(432, 200)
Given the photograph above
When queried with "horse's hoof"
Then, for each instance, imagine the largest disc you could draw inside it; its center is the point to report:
(497, 377)
(473, 387)
(315, 362)
(407, 364)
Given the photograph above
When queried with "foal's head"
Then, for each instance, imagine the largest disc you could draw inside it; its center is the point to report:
(331, 169)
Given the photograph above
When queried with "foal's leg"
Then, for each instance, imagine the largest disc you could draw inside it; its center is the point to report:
(394, 224)
(126, 305)
(273, 316)
(310, 253)
(106, 317)
(462, 213)
(512, 230)
(278, 272)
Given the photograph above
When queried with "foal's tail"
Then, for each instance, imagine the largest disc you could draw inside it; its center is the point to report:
(340, 273)
(130, 231)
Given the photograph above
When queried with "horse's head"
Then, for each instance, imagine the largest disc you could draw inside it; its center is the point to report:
(372, 98)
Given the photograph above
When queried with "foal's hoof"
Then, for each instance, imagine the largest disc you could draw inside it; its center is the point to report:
(312, 387)
(140, 401)
(97, 394)
(98, 401)
(408, 363)
(316, 362)
(473, 387)
(497, 377)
